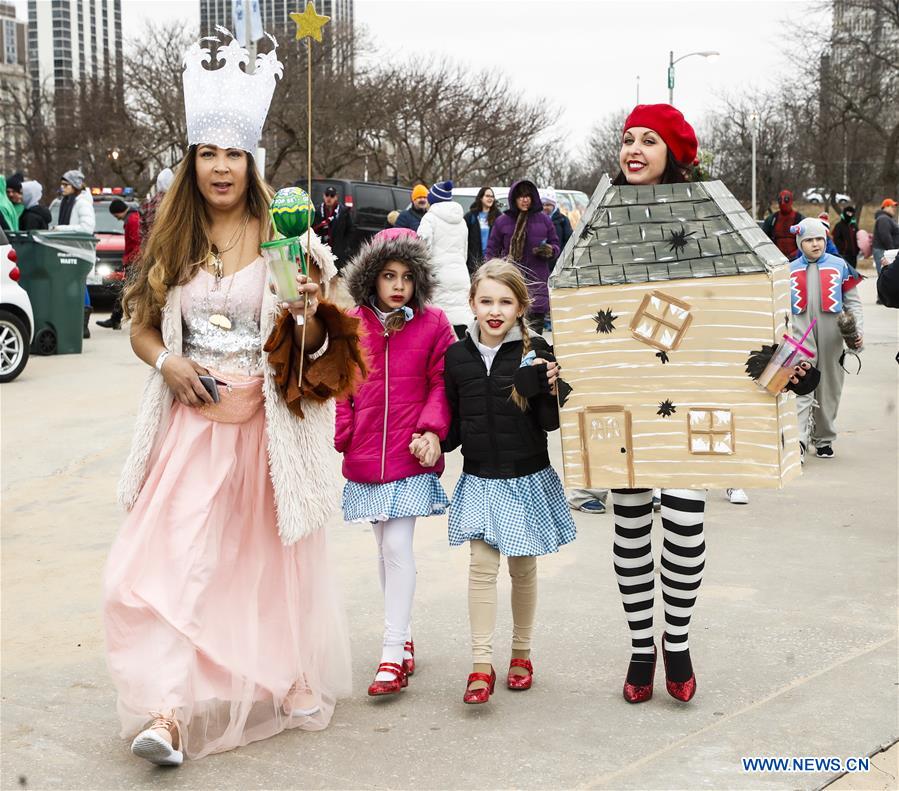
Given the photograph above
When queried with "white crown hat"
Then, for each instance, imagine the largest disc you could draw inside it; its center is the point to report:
(226, 107)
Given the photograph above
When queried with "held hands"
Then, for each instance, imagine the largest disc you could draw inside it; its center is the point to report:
(426, 448)
(182, 376)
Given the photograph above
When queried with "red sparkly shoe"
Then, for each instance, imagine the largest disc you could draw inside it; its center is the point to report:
(409, 664)
(391, 687)
(679, 690)
(483, 694)
(516, 681)
(639, 693)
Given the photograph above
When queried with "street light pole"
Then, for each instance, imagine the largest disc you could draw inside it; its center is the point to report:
(672, 61)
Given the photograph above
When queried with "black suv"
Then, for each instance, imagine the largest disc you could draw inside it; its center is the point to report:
(368, 201)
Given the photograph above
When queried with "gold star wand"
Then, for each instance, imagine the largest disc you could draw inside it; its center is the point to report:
(309, 26)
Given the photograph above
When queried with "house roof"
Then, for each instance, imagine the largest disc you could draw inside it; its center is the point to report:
(638, 234)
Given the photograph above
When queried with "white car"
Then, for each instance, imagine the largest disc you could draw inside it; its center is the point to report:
(16, 317)
(820, 195)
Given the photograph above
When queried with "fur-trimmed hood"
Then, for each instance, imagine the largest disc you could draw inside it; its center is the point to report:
(391, 244)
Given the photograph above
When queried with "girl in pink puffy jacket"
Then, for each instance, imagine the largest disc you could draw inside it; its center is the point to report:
(390, 431)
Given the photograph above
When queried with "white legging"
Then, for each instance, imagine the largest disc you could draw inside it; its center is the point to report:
(396, 570)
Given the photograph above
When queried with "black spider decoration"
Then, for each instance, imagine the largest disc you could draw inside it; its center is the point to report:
(666, 408)
(679, 239)
(759, 359)
(663, 356)
(605, 321)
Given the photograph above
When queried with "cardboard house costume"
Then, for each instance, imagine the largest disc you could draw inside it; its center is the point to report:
(658, 300)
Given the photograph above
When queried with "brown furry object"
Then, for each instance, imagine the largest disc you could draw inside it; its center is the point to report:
(333, 375)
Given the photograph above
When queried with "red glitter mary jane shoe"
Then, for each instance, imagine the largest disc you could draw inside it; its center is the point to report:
(392, 686)
(516, 681)
(409, 664)
(483, 694)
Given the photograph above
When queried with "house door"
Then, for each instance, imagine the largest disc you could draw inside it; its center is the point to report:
(607, 447)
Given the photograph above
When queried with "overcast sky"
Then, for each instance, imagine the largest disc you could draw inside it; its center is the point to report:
(580, 56)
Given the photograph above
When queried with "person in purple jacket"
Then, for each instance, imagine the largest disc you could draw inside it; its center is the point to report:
(390, 430)
(527, 237)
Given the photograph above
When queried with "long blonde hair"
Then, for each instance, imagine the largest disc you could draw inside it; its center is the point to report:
(509, 275)
(179, 240)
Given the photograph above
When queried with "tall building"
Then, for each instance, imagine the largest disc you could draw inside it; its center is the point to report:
(73, 41)
(12, 36)
(13, 84)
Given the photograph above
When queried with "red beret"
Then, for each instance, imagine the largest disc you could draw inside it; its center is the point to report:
(670, 123)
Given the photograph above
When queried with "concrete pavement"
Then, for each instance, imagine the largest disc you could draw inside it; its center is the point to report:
(793, 638)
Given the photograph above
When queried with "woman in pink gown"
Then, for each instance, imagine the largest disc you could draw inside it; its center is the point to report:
(222, 621)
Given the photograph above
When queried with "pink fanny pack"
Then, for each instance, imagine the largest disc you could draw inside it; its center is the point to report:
(240, 398)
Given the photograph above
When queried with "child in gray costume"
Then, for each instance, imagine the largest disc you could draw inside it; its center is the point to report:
(823, 287)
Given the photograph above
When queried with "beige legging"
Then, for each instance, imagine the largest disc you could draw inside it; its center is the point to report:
(482, 600)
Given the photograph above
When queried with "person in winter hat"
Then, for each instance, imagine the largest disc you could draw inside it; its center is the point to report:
(444, 231)
(14, 192)
(886, 231)
(76, 213)
(76, 209)
(411, 217)
(777, 225)
(35, 217)
(560, 221)
(527, 237)
(823, 286)
(390, 429)
(845, 235)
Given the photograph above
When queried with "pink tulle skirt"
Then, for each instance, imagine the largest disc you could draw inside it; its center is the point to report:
(207, 613)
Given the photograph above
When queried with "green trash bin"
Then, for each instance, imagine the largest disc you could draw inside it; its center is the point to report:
(53, 267)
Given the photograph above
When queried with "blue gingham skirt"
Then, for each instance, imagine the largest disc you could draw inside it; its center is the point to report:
(518, 516)
(418, 495)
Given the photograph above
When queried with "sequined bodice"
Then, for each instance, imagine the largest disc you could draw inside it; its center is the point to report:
(239, 299)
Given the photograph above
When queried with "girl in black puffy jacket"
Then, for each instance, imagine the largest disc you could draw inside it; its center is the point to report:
(501, 385)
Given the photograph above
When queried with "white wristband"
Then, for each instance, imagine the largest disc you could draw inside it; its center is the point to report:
(163, 356)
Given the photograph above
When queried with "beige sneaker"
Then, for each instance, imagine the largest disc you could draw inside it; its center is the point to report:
(161, 742)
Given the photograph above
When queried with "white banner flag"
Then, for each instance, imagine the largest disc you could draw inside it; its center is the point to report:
(239, 21)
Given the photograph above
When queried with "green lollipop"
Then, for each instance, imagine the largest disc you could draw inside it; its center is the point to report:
(292, 211)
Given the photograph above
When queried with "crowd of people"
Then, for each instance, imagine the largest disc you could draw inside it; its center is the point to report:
(221, 619)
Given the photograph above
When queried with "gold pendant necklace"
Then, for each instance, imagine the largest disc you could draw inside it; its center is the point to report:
(220, 320)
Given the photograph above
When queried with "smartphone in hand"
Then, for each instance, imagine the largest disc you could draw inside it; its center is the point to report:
(211, 387)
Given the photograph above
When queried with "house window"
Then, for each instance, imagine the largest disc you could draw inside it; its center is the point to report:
(710, 432)
(661, 321)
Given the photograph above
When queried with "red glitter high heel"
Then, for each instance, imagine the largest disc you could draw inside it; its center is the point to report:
(391, 687)
(483, 694)
(409, 664)
(639, 693)
(516, 681)
(679, 690)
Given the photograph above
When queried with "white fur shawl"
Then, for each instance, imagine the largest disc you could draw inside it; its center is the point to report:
(303, 464)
